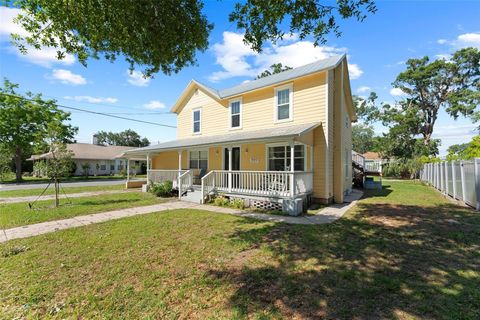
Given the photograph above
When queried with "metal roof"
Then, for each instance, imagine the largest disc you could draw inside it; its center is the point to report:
(311, 68)
(89, 151)
(240, 136)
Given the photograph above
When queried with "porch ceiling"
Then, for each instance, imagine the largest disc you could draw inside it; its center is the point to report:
(271, 134)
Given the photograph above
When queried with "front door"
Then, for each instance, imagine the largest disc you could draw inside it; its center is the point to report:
(235, 159)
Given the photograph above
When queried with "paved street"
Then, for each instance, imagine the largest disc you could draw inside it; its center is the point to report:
(26, 186)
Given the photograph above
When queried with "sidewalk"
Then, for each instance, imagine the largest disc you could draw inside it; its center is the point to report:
(327, 215)
(61, 196)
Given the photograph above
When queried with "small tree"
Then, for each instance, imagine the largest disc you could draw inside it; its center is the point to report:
(59, 163)
(86, 168)
(5, 163)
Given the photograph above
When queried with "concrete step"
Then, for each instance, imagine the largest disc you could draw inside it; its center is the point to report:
(193, 196)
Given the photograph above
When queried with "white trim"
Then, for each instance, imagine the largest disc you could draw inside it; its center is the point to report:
(193, 121)
(286, 144)
(288, 86)
(240, 100)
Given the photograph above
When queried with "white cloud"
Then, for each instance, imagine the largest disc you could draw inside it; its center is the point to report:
(8, 26)
(154, 104)
(68, 77)
(471, 39)
(444, 56)
(136, 78)
(91, 99)
(45, 57)
(396, 92)
(237, 59)
(354, 71)
(363, 89)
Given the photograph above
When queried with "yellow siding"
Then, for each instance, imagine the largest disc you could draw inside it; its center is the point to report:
(254, 159)
(309, 101)
(215, 158)
(169, 160)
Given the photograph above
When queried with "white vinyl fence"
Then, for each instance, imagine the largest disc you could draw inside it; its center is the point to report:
(457, 179)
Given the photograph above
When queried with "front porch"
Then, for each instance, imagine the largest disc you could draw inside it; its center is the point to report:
(272, 169)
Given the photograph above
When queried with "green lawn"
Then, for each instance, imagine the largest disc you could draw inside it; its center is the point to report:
(51, 190)
(403, 253)
(67, 179)
(18, 214)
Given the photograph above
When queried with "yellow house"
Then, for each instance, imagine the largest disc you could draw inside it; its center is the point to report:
(276, 142)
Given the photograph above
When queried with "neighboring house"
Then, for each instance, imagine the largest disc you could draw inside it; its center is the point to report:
(276, 141)
(102, 160)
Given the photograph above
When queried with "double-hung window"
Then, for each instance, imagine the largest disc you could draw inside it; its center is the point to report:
(283, 103)
(198, 159)
(236, 114)
(197, 118)
(279, 158)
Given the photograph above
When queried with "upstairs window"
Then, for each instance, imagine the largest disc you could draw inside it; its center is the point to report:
(235, 114)
(283, 103)
(196, 121)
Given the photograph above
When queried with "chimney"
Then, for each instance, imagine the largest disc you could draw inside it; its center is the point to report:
(94, 139)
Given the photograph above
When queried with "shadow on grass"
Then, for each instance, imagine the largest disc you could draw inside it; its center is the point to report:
(384, 261)
(102, 202)
(384, 192)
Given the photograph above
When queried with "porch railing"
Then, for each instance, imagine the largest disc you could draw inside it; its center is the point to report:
(258, 183)
(358, 158)
(373, 165)
(158, 176)
(185, 181)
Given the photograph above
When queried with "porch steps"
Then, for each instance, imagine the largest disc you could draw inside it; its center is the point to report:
(193, 195)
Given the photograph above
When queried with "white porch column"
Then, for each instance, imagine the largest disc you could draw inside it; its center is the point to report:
(229, 169)
(179, 162)
(148, 167)
(128, 170)
(179, 174)
(292, 169)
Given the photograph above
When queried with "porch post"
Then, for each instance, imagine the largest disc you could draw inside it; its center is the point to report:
(148, 167)
(179, 174)
(229, 169)
(128, 169)
(292, 169)
(179, 161)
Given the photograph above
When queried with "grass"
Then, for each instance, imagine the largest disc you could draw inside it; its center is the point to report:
(27, 179)
(18, 214)
(402, 253)
(51, 190)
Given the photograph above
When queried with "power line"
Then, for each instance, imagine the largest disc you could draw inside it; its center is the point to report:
(100, 113)
(104, 104)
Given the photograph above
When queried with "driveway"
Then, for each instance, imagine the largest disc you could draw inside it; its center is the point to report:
(26, 186)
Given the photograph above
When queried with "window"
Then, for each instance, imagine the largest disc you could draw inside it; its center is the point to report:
(279, 158)
(235, 114)
(283, 103)
(103, 167)
(112, 167)
(196, 121)
(198, 159)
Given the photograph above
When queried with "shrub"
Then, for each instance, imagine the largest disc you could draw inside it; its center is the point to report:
(221, 202)
(163, 189)
(237, 204)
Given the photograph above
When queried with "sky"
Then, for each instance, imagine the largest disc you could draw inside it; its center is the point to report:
(377, 49)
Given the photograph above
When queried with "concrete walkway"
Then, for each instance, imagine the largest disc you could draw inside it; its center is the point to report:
(62, 196)
(327, 215)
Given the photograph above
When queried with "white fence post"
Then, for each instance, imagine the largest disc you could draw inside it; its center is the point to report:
(454, 179)
(464, 187)
(476, 163)
(446, 177)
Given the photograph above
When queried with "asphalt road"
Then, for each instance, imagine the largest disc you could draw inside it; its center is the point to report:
(26, 186)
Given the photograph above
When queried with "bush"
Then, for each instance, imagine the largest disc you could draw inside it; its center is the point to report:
(163, 189)
(221, 202)
(237, 204)
(224, 202)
